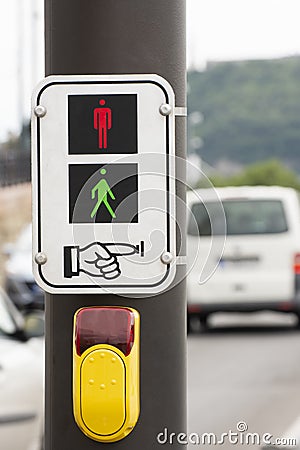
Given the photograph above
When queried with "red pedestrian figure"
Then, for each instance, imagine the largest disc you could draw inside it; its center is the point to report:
(102, 123)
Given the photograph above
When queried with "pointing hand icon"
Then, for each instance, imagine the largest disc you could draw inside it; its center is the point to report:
(97, 259)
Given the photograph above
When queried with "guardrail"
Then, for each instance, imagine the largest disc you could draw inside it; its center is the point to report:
(14, 169)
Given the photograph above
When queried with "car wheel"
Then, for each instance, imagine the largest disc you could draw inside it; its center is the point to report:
(203, 318)
(298, 320)
(188, 324)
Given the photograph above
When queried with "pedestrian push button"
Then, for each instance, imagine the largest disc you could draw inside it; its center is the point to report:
(103, 389)
(106, 372)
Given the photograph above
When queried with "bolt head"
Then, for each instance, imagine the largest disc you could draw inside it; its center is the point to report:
(40, 111)
(166, 258)
(40, 258)
(165, 109)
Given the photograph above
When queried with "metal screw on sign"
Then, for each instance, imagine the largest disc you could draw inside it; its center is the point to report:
(165, 109)
(166, 258)
(40, 111)
(40, 258)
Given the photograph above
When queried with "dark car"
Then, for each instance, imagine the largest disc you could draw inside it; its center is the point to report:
(19, 281)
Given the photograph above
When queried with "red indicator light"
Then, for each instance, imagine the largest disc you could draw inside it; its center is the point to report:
(194, 308)
(285, 306)
(297, 264)
(113, 326)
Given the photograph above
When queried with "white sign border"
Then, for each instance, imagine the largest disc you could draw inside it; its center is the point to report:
(36, 185)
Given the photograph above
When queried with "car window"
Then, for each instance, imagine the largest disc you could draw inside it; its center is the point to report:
(7, 324)
(242, 217)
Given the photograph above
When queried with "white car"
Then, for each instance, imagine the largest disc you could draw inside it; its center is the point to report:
(243, 250)
(21, 379)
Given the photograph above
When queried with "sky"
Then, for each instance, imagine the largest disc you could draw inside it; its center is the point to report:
(241, 29)
(222, 30)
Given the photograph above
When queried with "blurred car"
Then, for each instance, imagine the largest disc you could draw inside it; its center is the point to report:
(259, 268)
(19, 281)
(21, 378)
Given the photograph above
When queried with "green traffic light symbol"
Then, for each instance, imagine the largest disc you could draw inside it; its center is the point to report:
(102, 188)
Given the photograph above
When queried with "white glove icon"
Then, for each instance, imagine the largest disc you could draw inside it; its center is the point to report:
(97, 259)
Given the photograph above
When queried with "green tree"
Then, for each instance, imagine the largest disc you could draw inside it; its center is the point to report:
(251, 111)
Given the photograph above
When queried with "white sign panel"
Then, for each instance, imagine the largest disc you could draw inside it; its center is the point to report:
(104, 184)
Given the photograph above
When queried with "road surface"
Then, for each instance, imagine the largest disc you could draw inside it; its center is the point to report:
(249, 374)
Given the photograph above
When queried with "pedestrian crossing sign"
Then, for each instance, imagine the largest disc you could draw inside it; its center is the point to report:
(103, 170)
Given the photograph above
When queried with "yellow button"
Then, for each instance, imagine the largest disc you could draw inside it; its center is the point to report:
(103, 403)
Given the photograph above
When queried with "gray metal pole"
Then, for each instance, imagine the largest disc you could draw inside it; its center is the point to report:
(115, 37)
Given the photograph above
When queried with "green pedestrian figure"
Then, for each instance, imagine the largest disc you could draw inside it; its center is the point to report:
(102, 188)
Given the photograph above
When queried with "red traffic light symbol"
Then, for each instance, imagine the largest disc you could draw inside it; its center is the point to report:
(102, 123)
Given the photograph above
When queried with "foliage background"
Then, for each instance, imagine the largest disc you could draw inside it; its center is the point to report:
(251, 111)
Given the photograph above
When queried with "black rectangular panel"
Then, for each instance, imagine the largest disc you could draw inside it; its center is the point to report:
(102, 124)
(103, 193)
